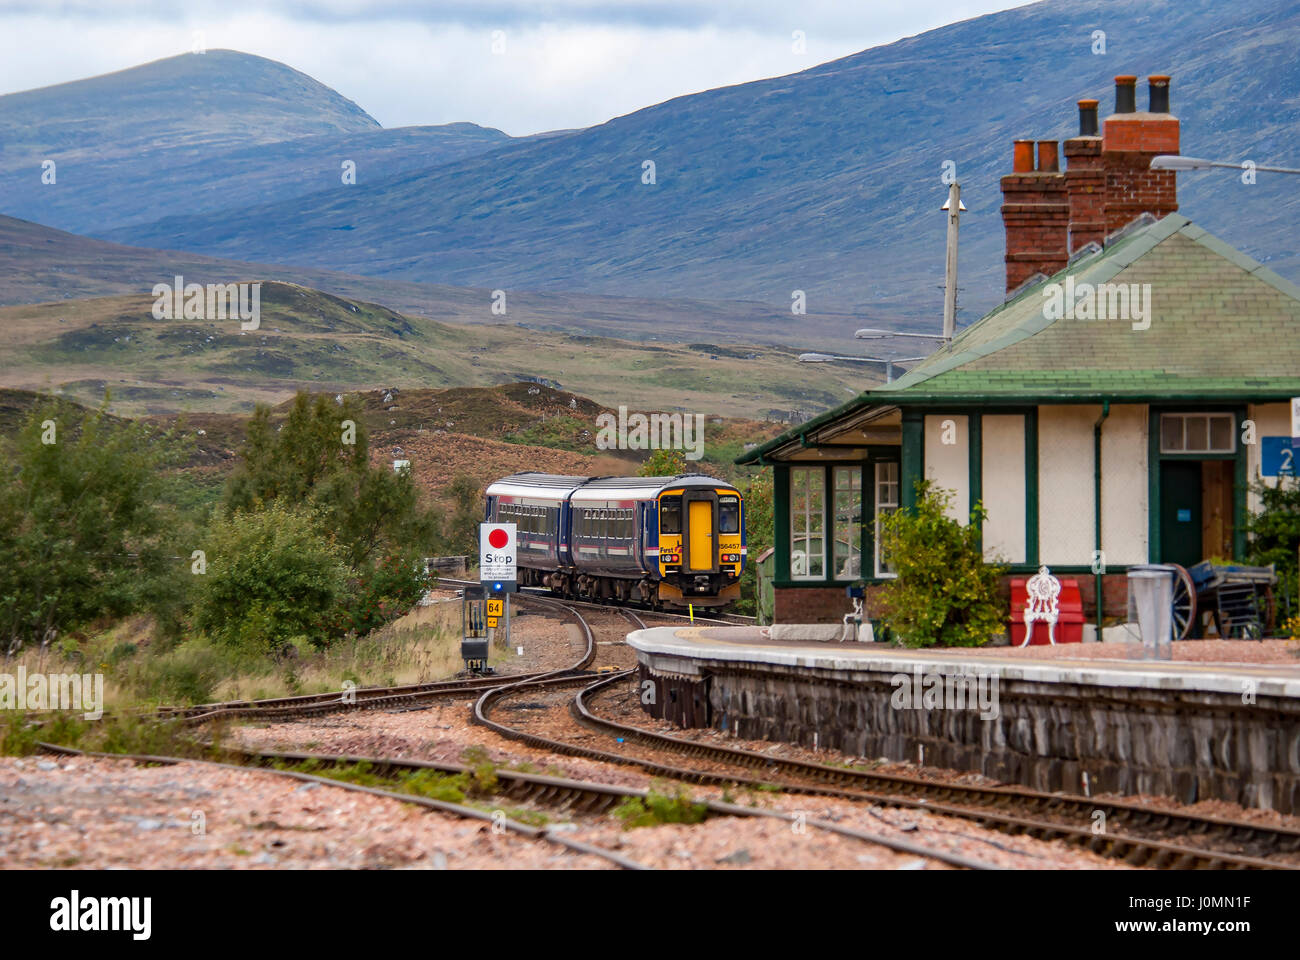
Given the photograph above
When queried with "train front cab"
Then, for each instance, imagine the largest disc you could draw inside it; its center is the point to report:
(701, 545)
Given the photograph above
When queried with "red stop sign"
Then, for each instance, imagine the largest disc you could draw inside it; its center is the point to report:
(498, 538)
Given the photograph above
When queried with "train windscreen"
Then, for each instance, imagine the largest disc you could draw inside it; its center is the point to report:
(670, 515)
(729, 514)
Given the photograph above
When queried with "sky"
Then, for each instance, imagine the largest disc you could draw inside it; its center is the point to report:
(522, 67)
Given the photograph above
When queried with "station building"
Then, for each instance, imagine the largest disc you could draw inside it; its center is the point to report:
(1114, 410)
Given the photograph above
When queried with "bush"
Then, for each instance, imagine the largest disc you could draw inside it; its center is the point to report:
(88, 523)
(269, 576)
(659, 808)
(945, 594)
(1273, 537)
(758, 537)
(188, 674)
(663, 463)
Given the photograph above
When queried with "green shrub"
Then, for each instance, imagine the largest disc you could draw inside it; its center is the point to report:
(659, 808)
(188, 674)
(88, 522)
(1273, 536)
(269, 576)
(944, 594)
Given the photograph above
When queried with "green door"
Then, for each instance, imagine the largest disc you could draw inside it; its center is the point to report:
(1180, 512)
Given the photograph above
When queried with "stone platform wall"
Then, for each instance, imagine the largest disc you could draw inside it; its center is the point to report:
(1189, 745)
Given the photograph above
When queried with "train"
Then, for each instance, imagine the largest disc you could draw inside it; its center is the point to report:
(660, 541)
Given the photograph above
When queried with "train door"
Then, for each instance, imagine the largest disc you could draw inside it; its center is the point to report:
(701, 552)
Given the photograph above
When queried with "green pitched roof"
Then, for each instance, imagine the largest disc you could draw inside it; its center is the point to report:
(1222, 326)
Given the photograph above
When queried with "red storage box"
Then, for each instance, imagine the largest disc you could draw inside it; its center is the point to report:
(1069, 625)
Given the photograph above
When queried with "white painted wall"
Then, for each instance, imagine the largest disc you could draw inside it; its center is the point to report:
(1003, 486)
(1271, 420)
(1066, 535)
(1124, 488)
(948, 464)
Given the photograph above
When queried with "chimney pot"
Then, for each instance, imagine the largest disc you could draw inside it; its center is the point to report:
(1022, 156)
(1126, 94)
(1087, 118)
(1048, 159)
(1158, 91)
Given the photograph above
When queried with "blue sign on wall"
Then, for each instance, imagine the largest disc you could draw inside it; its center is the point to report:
(1278, 457)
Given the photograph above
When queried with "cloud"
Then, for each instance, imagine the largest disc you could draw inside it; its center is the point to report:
(566, 63)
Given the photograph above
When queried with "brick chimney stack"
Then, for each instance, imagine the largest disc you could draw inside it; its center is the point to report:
(1130, 140)
(1035, 211)
(1108, 181)
(1085, 180)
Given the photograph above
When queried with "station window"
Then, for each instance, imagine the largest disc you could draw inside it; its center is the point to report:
(807, 523)
(886, 503)
(847, 532)
(1197, 433)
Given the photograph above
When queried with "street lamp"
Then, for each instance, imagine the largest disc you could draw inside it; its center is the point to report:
(889, 363)
(1176, 162)
(871, 333)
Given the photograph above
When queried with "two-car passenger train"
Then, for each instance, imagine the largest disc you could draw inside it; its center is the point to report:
(659, 540)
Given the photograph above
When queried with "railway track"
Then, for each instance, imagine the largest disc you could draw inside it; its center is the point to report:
(991, 806)
(408, 696)
(730, 619)
(265, 761)
(484, 705)
(1052, 816)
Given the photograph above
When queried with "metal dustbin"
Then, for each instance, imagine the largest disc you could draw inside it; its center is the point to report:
(1151, 593)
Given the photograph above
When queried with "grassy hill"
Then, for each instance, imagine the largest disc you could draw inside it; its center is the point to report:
(482, 433)
(826, 181)
(39, 264)
(313, 340)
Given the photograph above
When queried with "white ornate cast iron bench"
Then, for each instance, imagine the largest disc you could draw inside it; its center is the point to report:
(1042, 602)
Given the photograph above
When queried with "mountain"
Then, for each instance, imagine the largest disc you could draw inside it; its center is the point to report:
(199, 133)
(218, 98)
(826, 181)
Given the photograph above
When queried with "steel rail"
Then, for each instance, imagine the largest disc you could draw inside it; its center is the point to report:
(470, 813)
(484, 705)
(970, 801)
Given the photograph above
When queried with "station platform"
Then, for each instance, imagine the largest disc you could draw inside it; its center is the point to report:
(1078, 718)
(1105, 665)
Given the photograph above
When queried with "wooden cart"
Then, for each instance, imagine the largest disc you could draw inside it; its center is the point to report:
(1239, 597)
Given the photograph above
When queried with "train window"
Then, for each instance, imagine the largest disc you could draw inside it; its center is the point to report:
(728, 514)
(670, 515)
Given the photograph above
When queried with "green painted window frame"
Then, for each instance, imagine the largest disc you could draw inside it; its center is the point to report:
(781, 505)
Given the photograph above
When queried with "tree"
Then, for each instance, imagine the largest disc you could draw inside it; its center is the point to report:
(663, 463)
(944, 594)
(88, 523)
(758, 537)
(319, 461)
(460, 535)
